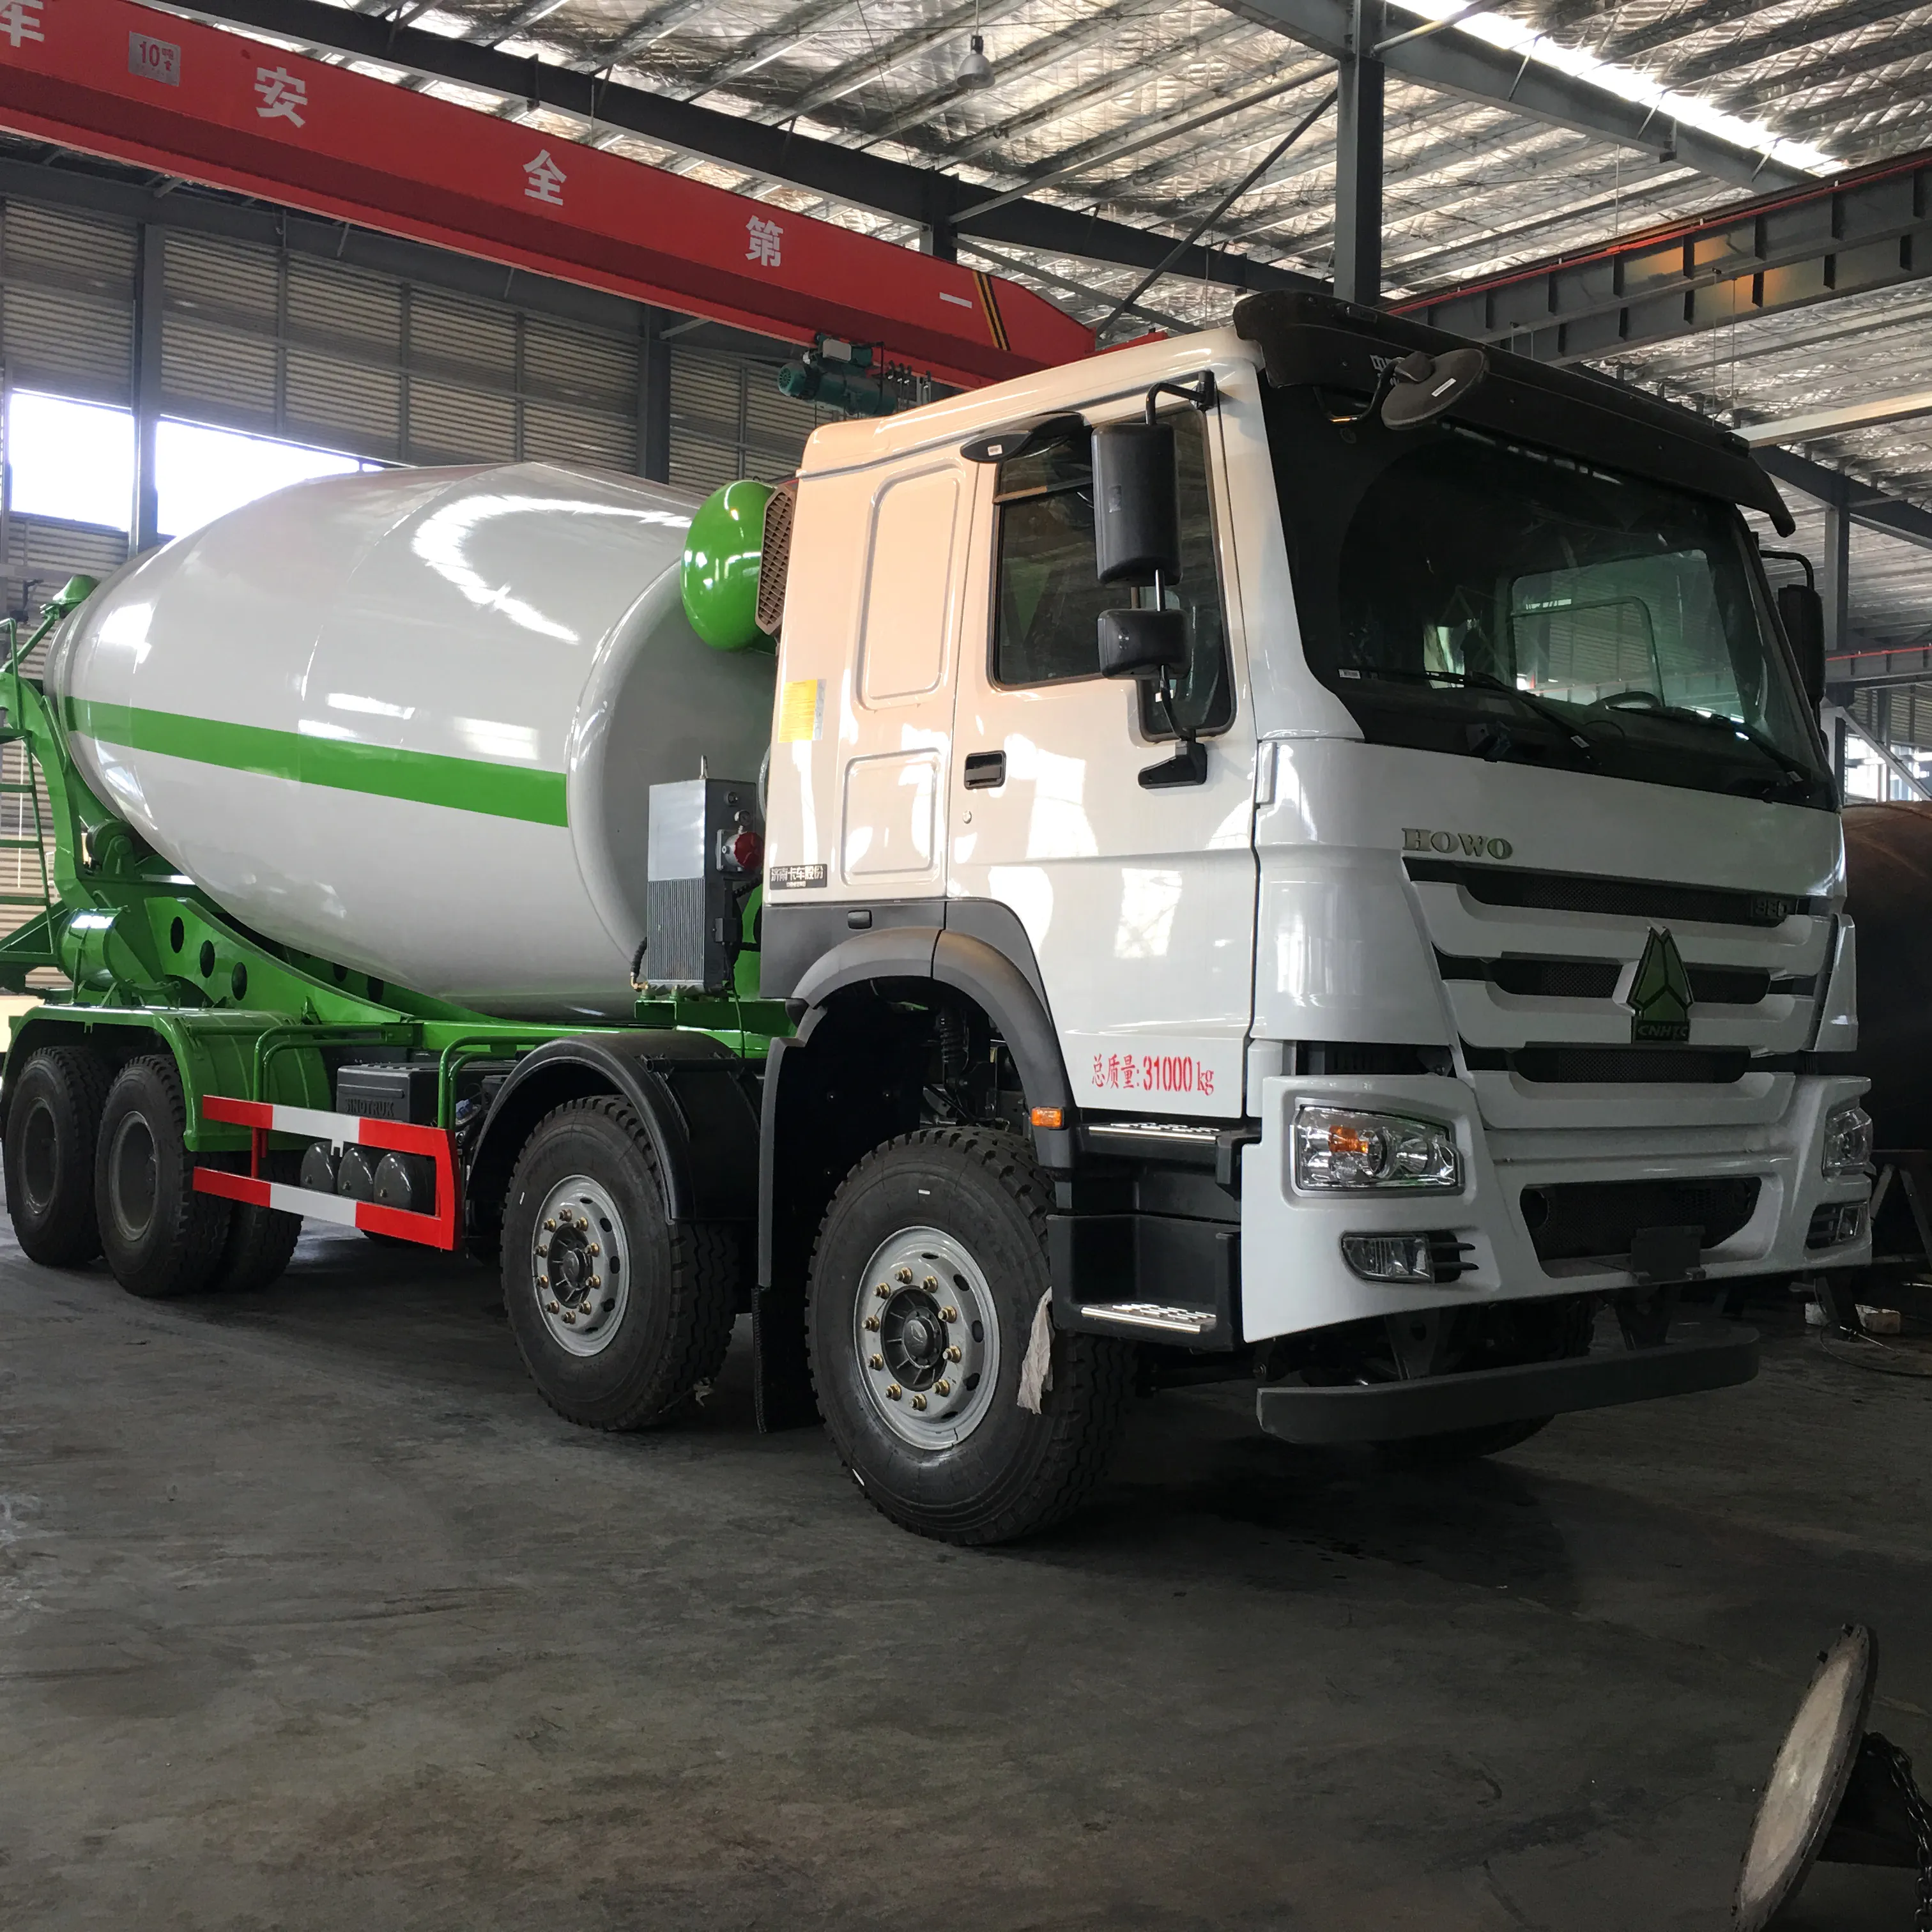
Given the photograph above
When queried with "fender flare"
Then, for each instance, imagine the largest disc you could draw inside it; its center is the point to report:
(958, 960)
(690, 1093)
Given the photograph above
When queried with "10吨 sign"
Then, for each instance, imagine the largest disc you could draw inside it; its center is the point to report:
(151, 59)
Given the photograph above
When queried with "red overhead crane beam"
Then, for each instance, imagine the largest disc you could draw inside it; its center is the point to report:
(111, 78)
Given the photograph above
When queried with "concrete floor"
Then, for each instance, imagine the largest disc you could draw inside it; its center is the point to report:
(311, 1615)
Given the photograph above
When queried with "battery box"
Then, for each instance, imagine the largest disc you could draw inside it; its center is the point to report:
(398, 1090)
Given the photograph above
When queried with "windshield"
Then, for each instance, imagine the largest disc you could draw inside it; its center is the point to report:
(1463, 593)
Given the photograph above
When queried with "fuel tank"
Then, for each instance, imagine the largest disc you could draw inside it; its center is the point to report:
(409, 720)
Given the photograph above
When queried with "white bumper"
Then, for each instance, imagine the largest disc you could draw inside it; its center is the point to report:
(1293, 1275)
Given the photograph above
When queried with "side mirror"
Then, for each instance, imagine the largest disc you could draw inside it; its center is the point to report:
(1143, 644)
(1802, 611)
(1136, 504)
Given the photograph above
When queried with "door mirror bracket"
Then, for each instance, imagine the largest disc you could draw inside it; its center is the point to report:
(1150, 647)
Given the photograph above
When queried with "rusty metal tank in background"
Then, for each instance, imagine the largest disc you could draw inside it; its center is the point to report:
(1888, 863)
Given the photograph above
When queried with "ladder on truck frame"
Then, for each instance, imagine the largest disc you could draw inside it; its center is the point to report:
(30, 945)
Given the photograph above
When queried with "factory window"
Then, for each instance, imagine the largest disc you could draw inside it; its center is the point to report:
(74, 461)
(201, 472)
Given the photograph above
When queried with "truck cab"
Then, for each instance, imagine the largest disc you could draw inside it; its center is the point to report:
(1446, 953)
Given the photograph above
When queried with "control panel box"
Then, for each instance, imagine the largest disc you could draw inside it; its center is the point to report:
(705, 854)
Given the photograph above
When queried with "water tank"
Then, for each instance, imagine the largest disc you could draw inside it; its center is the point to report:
(409, 720)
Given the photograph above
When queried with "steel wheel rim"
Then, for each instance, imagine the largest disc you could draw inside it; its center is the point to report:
(925, 1337)
(134, 1184)
(39, 1157)
(580, 1266)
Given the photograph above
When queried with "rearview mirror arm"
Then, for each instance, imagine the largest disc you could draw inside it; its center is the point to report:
(1203, 393)
(1189, 765)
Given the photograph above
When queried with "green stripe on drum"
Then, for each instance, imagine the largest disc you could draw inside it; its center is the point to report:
(428, 777)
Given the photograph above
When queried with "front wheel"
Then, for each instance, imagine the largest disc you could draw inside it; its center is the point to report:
(929, 1270)
(618, 1311)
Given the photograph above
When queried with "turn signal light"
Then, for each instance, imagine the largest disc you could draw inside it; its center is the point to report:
(1047, 1117)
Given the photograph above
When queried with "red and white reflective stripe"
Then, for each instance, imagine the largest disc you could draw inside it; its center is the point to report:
(440, 1228)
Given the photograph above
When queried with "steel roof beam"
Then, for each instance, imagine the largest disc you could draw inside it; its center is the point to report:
(1048, 51)
(915, 194)
(1866, 230)
(1817, 424)
(1455, 62)
(876, 63)
(1871, 508)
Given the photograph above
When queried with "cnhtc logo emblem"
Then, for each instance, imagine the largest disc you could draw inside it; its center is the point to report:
(1660, 994)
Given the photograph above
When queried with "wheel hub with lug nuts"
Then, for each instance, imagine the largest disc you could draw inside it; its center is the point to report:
(580, 1265)
(927, 1338)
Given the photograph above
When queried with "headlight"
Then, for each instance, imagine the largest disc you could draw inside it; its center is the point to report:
(1848, 1143)
(1337, 1147)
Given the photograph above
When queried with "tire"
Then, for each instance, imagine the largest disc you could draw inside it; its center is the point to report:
(1565, 1334)
(53, 1122)
(261, 1241)
(950, 1222)
(634, 1324)
(161, 1237)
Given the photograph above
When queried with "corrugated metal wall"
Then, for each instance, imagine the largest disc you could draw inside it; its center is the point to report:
(728, 419)
(257, 339)
(282, 344)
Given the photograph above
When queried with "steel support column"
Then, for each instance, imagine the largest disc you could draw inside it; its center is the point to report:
(144, 525)
(1358, 161)
(654, 398)
(1835, 574)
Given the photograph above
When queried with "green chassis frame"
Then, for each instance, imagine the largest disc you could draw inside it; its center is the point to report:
(146, 950)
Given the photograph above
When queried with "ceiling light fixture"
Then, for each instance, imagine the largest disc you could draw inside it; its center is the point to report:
(976, 70)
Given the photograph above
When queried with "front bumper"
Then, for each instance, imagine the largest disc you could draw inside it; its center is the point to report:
(1293, 1275)
(1718, 1356)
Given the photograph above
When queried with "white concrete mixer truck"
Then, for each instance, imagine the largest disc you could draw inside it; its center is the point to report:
(1298, 854)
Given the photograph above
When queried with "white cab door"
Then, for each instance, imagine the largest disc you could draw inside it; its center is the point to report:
(1140, 903)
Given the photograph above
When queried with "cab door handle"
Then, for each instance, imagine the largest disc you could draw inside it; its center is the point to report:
(985, 769)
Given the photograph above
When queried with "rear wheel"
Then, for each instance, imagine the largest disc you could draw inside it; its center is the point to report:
(929, 1270)
(161, 1238)
(261, 1240)
(619, 1311)
(53, 1121)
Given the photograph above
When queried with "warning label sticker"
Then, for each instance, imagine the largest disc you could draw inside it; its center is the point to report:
(802, 711)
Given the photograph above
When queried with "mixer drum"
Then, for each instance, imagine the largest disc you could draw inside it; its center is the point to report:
(409, 720)
(1889, 864)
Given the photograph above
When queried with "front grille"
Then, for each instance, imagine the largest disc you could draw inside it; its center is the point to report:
(1624, 1066)
(1593, 1220)
(1727, 985)
(1538, 979)
(1628, 899)
(1597, 980)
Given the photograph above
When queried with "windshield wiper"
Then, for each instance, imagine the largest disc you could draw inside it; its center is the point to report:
(1789, 769)
(1483, 680)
